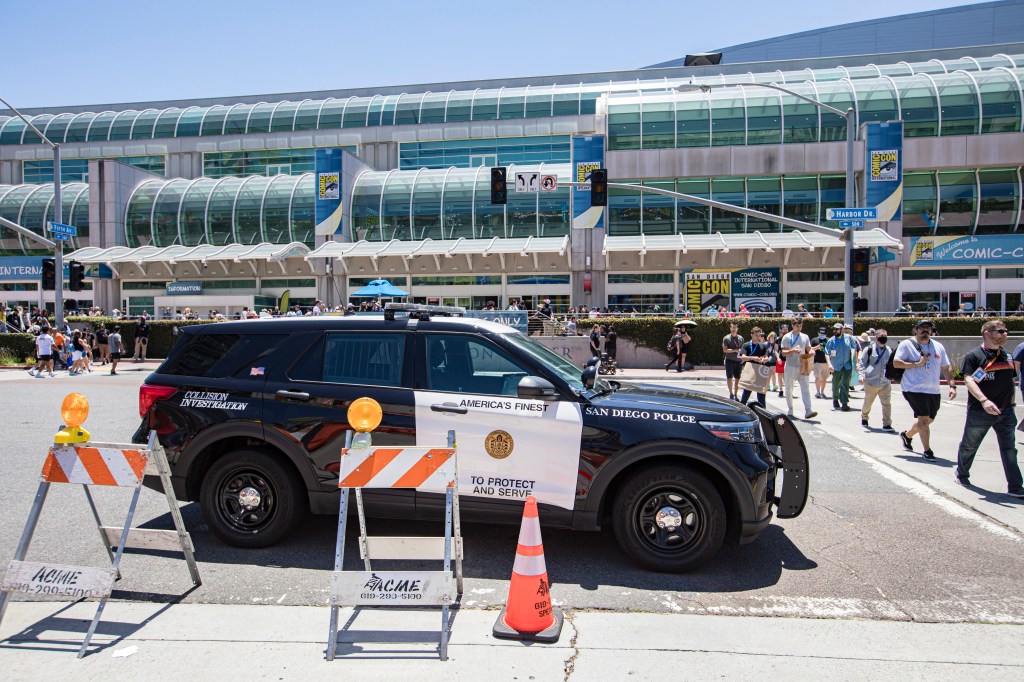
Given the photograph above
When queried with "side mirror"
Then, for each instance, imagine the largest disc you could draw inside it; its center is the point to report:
(589, 375)
(536, 388)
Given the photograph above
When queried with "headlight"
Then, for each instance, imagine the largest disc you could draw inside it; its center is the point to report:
(739, 432)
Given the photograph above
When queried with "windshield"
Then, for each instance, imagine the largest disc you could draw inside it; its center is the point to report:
(566, 371)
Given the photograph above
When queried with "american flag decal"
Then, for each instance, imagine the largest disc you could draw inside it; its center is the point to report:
(256, 372)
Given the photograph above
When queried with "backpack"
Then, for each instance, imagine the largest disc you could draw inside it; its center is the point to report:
(891, 372)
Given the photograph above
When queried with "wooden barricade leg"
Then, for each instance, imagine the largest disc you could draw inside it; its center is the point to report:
(339, 560)
(26, 536)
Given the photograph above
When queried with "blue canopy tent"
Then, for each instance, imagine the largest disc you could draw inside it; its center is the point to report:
(378, 288)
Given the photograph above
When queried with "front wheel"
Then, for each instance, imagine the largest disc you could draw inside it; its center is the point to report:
(250, 498)
(669, 518)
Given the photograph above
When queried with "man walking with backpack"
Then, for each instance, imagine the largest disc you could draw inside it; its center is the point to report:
(875, 373)
(988, 374)
(924, 361)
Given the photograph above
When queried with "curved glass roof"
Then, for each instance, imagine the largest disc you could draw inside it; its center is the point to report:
(447, 203)
(429, 107)
(31, 206)
(957, 102)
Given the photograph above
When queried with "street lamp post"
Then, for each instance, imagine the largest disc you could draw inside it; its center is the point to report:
(851, 187)
(58, 217)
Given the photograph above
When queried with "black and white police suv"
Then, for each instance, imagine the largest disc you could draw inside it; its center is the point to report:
(253, 415)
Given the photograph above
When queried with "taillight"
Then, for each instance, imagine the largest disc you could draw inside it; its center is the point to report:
(149, 394)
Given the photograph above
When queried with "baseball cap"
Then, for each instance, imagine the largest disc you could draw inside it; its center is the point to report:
(822, 330)
(837, 325)
(848, 326)
(921, 323)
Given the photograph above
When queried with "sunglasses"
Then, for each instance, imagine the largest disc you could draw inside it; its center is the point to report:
(998, 331)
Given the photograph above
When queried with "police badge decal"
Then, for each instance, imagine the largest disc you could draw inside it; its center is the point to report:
(499, 444)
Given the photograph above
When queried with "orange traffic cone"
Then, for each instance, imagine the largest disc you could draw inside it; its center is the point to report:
(528, 613)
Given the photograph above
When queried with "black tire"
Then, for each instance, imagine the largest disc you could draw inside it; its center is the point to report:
(280, 505)
(700, 510)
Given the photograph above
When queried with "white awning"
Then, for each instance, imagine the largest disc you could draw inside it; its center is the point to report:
(766, 241)
(525, 246)
(174, 254)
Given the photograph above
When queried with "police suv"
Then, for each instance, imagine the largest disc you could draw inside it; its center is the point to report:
(253, 415)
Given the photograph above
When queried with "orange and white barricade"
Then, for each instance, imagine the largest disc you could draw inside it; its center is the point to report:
(426, 469)
(104, 464)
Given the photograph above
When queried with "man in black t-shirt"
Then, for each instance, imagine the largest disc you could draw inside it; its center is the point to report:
(732, 343)
(988, 373)
(595, 341)
(142, 338)
(611, 339)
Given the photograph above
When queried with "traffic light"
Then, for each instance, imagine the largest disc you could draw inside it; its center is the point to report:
(859, 261)
(49, 274)
(499, 185)
(599, 187)
(76, 276)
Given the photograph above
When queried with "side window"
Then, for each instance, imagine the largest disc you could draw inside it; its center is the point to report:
(218, 355)
(465, 364)
(367, 359)
(310, 366)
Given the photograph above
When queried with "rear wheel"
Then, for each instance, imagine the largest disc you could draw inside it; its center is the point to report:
(669, 518)
(251, 498)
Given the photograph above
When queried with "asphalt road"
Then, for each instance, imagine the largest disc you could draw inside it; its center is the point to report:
(867, 546)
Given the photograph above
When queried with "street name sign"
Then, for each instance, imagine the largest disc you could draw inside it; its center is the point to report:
(59, 228)
(851, 223)
(851, 214)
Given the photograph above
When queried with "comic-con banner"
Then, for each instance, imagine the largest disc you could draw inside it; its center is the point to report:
(757, 289)
(328, 192)
(587, 156)
(885, 169)
(982, 249)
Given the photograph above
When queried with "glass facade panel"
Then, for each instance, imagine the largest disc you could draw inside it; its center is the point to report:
(799, 118)
(764, 117)
(303, 214)
(538, 101)
(728, 124)
(260, 162)
(306, 115)
(12, 131)
(275, 209)
(658, 211)
(247, 210)
(259, 118)
(489, 218)
(30, 136)
(190, 122)
(1000, 201)
(763, 194)
(165, 123)
(387, 112)
(165, 213)
(330, 115)
(484, 152)
(693, 123)
(426, 205)
(458, 203)
(876, 101)
(624, 126)
(193, 212)
(355, 112)
(640, 278)
(396, 207)
(800, 198)
(658, 125)
(831, 194)
(566, 101)
(219, 211)
(374, 110)
(213, 121)
(283, 118)
(957, 193)
(78, 127)
(485, 105)
(407, 111)
(1001, 106)
(512, 103)
(730, 191)
(138, 224)
(521, 214)
(959, 105)
(120, 128)
(837, 95)
(693, 218)
(459, 106)
(142, 129)
(920, 108)
(553, 207)
(920, 203)
(623, 212)
(432, 110)
(366, 193)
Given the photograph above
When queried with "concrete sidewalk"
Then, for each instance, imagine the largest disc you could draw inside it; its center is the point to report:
(221, 642)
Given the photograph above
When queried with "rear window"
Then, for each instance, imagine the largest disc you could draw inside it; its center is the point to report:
(368, 359)
(218, 355)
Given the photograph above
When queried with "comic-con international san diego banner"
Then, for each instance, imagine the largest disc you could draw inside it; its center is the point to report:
(756, 288)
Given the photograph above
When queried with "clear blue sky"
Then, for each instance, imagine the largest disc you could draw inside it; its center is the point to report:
(67, 52)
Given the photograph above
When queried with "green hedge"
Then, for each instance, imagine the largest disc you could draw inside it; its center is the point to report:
(161, 335)
(706, 346)
(19, 345)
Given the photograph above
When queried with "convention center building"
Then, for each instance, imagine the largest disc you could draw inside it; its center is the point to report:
(224, 203)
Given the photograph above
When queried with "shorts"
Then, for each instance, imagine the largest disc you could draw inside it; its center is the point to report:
(115, 356)
(821, 370)
(924, 404)
(733, 369)
(76, 355)
(143, 340)
(45, 358)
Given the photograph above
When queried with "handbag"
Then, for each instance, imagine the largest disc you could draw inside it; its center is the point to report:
(755, 376)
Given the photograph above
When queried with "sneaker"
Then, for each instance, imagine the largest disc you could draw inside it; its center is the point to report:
(113, 373)
(961, 480)
(32, 372)
(864, 422)
(835, 404)
(908, 442)
(929, 455)
(887, 427)
(845, 408)
(51, 374)
(780, 394)
(1017, 492)
(810, 415)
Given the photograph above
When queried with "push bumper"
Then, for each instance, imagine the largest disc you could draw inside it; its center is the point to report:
(785, 443)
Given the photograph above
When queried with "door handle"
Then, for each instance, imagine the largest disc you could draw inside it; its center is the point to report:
(449, 407)
(293, 395)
